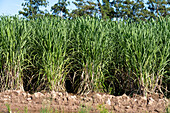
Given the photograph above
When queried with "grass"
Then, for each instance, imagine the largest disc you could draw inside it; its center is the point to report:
(83, 109)
(102, 109)
(84, 55)
(8, 107)
(168, 108)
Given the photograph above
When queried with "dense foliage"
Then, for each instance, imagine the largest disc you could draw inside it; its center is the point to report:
(31, 8)
(135, 10)
(84, 54)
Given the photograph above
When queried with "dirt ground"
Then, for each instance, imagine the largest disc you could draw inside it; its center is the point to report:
(19, 101)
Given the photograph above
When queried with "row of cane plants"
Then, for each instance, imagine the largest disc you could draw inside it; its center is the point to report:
(84, 55)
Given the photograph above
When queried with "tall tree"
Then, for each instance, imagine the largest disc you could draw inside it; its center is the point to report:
(134, 10)
(31, 8)
(163, 10)
(139, 11)
(106, 9)
(127, 12)
(84, 7)
(117, 5)
(158, 8)
(61, 8)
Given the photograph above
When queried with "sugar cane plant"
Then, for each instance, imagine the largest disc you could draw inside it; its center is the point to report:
(92, 54)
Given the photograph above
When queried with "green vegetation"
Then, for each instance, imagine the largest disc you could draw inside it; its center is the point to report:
(8, 107)
(168, 109)
(102, 109)
(84, 54)
(31, 8)
(48, 109)
(135, 10)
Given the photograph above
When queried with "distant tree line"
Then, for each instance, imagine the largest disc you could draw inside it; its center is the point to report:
(135, 10)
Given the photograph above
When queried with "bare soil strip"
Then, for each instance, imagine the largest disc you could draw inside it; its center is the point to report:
(94, 102)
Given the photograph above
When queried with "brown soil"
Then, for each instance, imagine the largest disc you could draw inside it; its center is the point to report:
(94, 102)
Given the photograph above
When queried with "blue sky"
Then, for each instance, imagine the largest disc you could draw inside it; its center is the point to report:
(11, 7)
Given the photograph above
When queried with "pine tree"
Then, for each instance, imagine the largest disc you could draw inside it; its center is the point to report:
(163, 10)
(139, 11)
(158, 8)
(117, 4)
(106, 10)
(127, 12)
(84, 8)
(31, 8)
(61, 8)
